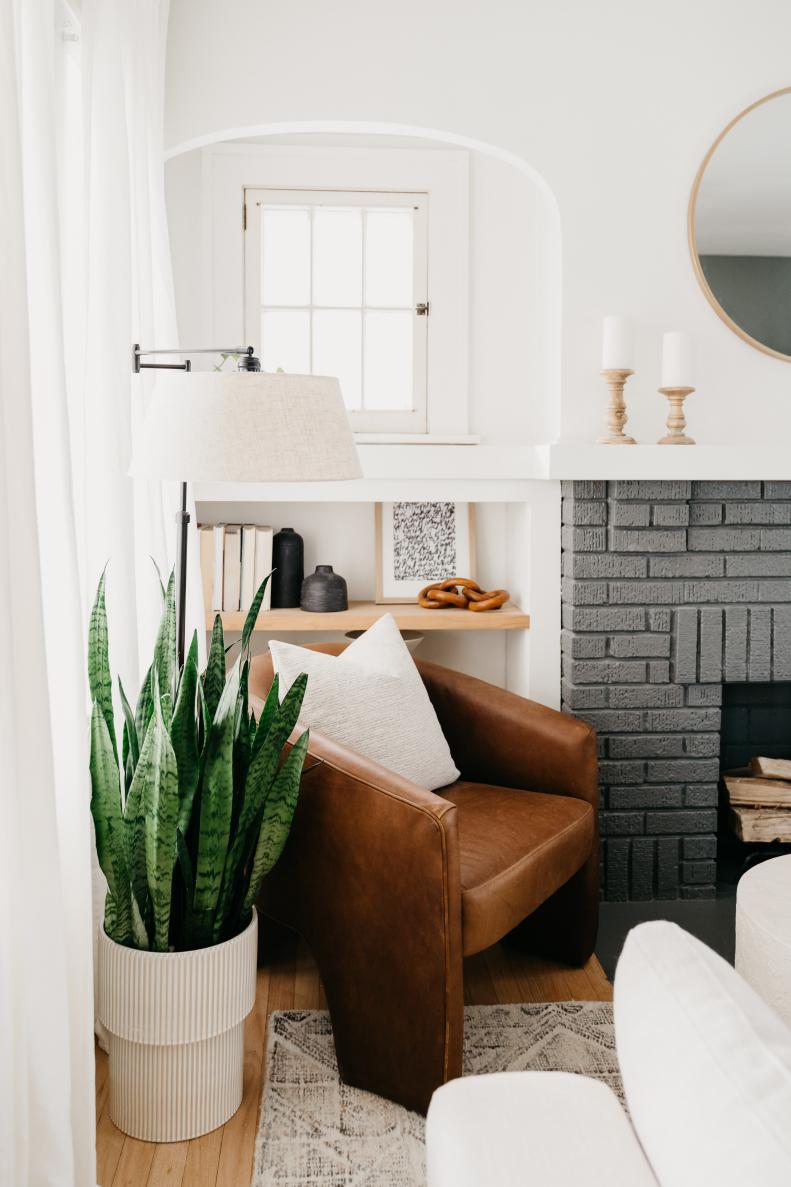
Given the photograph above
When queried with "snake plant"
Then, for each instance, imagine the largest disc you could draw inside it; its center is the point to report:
(195, 809)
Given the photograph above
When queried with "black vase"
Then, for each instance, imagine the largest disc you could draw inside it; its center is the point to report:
(288, 562)
(324, 591)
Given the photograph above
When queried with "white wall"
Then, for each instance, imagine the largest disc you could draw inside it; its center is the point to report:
(614, 103)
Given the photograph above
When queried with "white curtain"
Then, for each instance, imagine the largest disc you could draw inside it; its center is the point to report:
(46, 1067)
(86, 272)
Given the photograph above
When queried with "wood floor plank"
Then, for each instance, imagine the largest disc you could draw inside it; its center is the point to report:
(290, 980)
(134, 1165)
(167, 1166)
(109, 1144)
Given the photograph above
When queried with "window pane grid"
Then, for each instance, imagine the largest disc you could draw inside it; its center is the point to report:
(380, 383)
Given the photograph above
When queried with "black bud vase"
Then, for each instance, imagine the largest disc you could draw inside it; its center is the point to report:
(288, 562)
(324, 591)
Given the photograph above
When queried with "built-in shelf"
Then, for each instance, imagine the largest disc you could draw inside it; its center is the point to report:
(361, 615)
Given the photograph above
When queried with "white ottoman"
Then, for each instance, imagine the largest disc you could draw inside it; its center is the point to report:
(763, 932)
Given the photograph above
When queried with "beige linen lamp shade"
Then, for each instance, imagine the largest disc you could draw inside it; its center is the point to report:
(209, 426)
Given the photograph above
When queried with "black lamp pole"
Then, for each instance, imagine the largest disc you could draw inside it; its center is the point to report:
(246, 362)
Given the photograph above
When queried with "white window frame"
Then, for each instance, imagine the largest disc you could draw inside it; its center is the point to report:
(413, 420)
(229, 169)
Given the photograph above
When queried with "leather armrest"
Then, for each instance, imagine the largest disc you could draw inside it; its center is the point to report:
(498, 737)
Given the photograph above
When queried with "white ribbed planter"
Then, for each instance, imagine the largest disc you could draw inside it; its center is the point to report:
(175, 1025)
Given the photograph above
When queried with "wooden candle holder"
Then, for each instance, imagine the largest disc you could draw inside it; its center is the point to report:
(676, 421)
(616, 409)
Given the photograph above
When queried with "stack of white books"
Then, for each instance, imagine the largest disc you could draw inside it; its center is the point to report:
(235, 558)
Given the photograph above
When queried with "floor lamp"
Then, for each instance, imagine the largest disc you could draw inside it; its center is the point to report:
(239, 426)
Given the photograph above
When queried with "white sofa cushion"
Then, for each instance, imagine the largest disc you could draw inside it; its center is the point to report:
(706, 1064)
(531, 1129)
(371, 699)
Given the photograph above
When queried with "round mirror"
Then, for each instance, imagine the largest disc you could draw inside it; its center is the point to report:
(740, 224)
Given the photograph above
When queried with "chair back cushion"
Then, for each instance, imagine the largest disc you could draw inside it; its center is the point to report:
(706, 1064)
(371, 698)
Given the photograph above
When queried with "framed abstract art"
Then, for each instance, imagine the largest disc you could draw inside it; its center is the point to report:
(417, 543)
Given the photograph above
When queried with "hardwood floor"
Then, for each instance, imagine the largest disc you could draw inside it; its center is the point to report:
(290, 980)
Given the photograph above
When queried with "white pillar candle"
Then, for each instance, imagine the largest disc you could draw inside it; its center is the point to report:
(618, 346)
(677, 369)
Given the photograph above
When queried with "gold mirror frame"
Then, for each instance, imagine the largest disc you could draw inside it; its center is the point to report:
(693, 201)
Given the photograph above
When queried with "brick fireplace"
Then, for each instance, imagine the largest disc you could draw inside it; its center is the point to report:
(670, 590)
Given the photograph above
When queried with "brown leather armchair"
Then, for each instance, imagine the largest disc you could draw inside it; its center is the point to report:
(391, 886)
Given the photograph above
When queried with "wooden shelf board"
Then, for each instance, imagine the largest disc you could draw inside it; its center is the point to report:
(361, 615)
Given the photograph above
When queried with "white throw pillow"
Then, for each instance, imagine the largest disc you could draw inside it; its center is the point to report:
(706, 1064)
(371, 699)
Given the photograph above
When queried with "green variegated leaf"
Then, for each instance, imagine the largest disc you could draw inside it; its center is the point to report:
(99, 678)
(159, 576)
(184, 735)
(161, 808)
(135, 837)
(278, 814)
(145, 706)
(130, 727)
(108, 823)
(267, 714)
(214, 676)
(216, 806)
(188, 879)
(204, 721)
(253, 612)
(165, 661)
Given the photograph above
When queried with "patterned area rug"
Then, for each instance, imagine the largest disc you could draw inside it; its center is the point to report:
(315, 1131)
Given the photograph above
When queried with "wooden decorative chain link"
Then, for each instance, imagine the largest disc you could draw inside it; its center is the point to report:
(463, 593)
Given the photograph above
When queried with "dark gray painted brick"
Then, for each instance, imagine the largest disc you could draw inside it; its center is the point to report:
(686, 565)
(774, 591)
(781, 643)
(583, 593)
(667, 867)
(724, 539)
(710, 662)
(654, 696)
(646, 489)
(702, 795)
(658, 671)
(726, 490)
(736, 618)
(687, 820)
(698, 871)
(660, 619)
(758, 564)
(763, 512)
(648, 540)
(584, 513)
(682, 720)
(603, 564)
(641, 593)
(682, 770)
(646, 795)
(584, 489)
(611, 719)
(670, 515)
(759, 660)
(607, 671)
(705, 513)
(699, 848)
(703, 694)
(617, 868)
(583, 539)
(625, 618)
(583, 698)
(647, 746)
(584, 646)
(777, 490)
(622, 824)
(685, 645)
(775, 539)
(630, 515)
(642, 868)
(628, 771)
(720, 591)
(703, 745)
(633, 646)
(699, 892)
